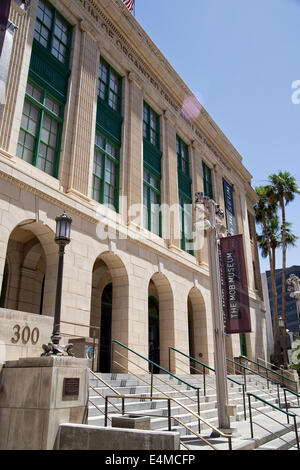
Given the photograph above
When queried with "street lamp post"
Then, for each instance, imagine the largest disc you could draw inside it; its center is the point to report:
(62, 238)
(213, 224)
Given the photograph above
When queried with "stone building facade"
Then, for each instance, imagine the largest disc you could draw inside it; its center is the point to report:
(98, 124)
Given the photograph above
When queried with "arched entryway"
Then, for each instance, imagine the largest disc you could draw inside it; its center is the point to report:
(28, 283)
(160, 320)
(109, 311)
(198, 338)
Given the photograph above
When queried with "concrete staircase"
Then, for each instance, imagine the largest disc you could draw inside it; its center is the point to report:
(267, 433)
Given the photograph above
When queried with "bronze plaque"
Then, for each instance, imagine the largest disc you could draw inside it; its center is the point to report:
(71, 388)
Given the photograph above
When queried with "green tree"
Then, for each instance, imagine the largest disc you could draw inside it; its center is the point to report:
(283, 190)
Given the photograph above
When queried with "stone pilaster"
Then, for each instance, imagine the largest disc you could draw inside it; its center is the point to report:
(135, 150)
(85, 116)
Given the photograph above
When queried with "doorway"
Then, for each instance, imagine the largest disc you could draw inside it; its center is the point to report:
(105, 329)
(153, 312)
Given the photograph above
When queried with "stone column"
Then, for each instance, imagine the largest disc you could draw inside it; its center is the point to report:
(135, 150)
(85, 117)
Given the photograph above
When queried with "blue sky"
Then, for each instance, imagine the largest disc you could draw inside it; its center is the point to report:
(240, 58)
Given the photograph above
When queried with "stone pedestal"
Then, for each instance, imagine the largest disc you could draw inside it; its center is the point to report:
(36, 396)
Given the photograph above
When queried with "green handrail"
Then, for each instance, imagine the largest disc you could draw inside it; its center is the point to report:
(156, 365)
(288, 413)
(213, 370)
(268, 369)
(253, 371)
(204, 365)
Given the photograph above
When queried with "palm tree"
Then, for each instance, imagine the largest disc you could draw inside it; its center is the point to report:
(283, 190)
(265, 212)
(275, 238)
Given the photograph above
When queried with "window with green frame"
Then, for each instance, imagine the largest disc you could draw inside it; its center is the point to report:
(152, 201)
(40, 131)
(182, 156)
(207, 180)
(53, 32)
(186, 223)
(109, 86)
(106, 172)
(151, 126)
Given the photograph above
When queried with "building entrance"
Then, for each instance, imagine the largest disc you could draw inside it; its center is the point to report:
(104, 364)
(154, 333)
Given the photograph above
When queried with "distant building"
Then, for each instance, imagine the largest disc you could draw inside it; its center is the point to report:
(291, 307)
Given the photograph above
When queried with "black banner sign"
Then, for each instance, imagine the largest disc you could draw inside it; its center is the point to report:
(229, 208)
(234, 285)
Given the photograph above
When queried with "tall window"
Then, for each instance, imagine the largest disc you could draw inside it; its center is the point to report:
(151, 126)
(152, 170)
(207, 180)
(40, 129)
(152, 201)
(182, 156)
(52, 31)
(106, 172)
(186, 224)
(185, 192)
(46, 92)
(109, 86)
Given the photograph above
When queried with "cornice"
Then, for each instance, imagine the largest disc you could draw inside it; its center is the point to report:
(63, 204)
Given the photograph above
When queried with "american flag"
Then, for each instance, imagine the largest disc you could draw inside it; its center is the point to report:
(129, 4)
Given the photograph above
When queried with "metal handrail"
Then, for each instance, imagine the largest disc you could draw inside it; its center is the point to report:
(156, 365)
(287, 413)
(170, 417)
(285, 390)
(268, 370)
(253, 371)
(218, 431)
(151, 384)
(212, 370)
(270, 364)
(152, 387)
(100, 394)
